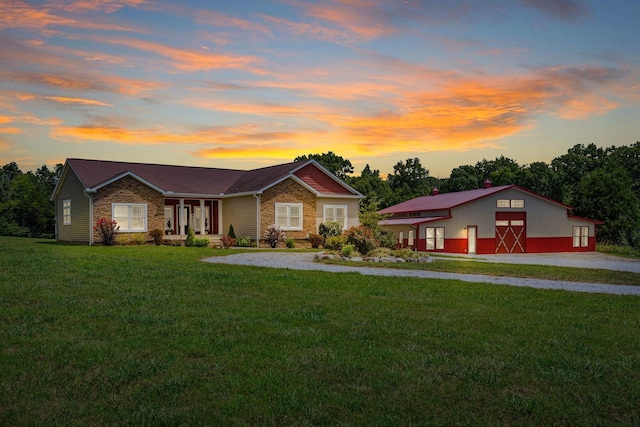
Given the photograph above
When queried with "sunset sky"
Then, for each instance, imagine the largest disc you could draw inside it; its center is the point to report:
(244, 84)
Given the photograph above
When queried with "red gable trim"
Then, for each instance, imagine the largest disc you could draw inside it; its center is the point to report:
(320, 181)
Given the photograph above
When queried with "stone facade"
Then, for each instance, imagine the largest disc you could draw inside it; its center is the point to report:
(129, 190)
(289, 191)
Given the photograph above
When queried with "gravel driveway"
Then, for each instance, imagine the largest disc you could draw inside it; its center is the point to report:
(304, 261)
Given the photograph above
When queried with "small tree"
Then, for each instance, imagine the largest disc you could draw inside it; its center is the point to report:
(274, 235)
(190, 237)
(231, 233)
(107, 230)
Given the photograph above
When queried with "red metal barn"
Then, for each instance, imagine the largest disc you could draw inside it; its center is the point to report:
(506, 219)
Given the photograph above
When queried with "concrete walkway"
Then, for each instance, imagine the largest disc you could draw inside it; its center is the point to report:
(304, 261)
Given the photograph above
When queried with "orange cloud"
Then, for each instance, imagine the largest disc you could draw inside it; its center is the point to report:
(186, 60)
(19, 14)
(66, 100)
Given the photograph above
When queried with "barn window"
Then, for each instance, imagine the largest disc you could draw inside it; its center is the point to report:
(435, 238)
(66, 212)
(130, 217)
(289, 216)
(513, 203)
(502, 223)
(580, 237)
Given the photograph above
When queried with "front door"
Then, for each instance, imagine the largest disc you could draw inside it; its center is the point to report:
(472, 234)
(511, 232)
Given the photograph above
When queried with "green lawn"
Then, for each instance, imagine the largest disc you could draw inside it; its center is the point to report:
(150, 336)
(549, 272)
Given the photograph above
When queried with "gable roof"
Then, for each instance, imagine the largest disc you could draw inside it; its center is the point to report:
(187, 180)
(450, 200)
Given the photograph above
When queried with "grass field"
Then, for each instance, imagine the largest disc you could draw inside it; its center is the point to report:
(150, 336)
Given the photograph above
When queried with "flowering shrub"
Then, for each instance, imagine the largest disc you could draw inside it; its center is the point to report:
(362, 238)
(274, 235)
(107, 230)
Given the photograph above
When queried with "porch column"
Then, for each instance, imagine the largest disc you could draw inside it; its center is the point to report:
(220, 230)
(181, 216)
(203, 217)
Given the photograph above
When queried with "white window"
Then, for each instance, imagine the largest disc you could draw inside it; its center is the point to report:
(336, 213)
(580, 237)
(505, 203)
(168, 218)
(130, 217)
(517, 223)
(502, 223)
(401, 238)
(289, 216)
(66, 212)
(435, 238)
(410, 238)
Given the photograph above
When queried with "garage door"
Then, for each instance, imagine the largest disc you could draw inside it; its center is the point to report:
(511, 232)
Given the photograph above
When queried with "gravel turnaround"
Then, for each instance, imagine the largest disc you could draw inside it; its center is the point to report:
(305, 261)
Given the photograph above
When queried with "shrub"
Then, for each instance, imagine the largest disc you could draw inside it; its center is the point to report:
(190, 237)
(202, 242)
(126, 239)
(404, 253)
(348, 250)
(274, 235)
(335, 243)
(362, 238)
(385, 237)
(231, 233)
(244, 242)
(316, 240)
(330, 228)
(228, 241)
(107, 230)
(290, 243)
(138, 239)
(156, 235)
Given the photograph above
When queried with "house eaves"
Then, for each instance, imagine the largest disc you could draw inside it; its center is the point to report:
(123, 175)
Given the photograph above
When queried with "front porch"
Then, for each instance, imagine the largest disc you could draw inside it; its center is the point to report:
(202, 215)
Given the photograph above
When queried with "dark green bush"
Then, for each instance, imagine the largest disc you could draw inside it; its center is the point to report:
(330, 228)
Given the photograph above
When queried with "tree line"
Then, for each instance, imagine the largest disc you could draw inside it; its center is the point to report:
(599, 183)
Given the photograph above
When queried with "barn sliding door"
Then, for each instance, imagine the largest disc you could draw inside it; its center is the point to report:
(511, 232)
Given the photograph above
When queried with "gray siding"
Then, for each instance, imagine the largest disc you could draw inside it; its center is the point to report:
(241, 212)
(544, 219)
(80, 228)
(353, 208)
